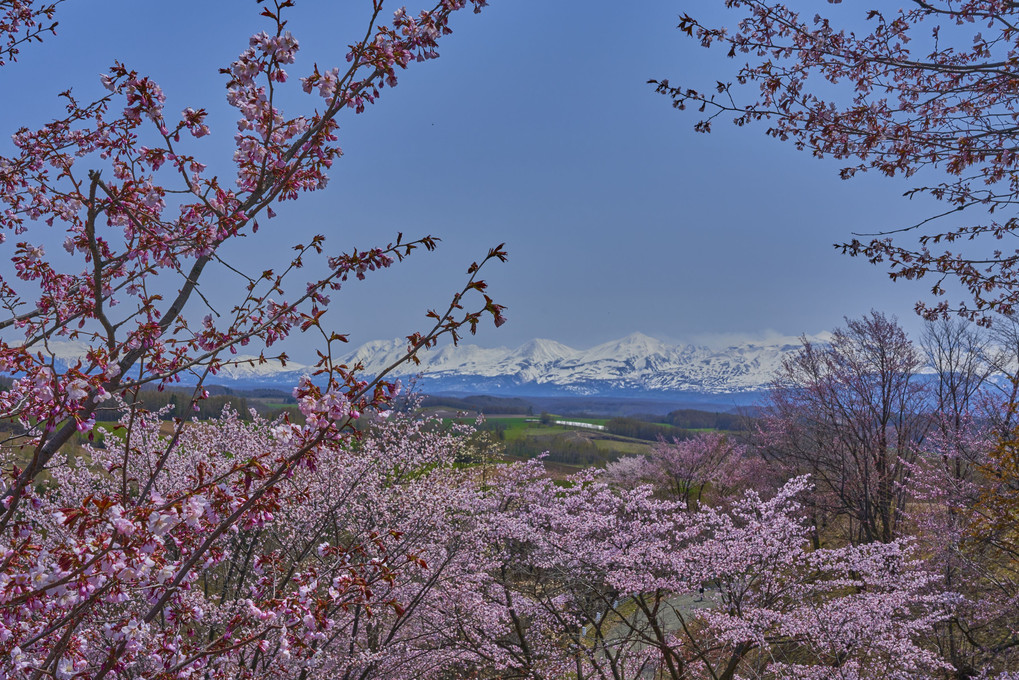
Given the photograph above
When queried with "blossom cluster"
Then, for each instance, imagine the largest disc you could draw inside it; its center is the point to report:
(24, 21)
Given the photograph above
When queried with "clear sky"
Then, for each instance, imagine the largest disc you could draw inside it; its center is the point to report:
(536, 127)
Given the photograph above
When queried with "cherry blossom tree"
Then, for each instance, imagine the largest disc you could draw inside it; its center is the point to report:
(162, 555)
(338, 574)
(127, 234)
(925, 90)
(693, 465)
(598, 583)
(686, 469)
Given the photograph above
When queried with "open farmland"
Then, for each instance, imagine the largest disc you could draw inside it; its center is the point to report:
(524, 437)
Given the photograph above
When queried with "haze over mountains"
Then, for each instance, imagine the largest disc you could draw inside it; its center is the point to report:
(635, 366)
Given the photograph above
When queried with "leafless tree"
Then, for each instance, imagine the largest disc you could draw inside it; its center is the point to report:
(851, 414)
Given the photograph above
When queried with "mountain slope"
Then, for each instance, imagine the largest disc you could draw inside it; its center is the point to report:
(637, 365)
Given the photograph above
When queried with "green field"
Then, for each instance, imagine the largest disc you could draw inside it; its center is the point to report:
(524, 437)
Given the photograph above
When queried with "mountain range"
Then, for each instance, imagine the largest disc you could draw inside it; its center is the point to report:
(634, 366)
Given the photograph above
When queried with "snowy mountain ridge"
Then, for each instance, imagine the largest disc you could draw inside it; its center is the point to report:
(631, 366)
(635, 364)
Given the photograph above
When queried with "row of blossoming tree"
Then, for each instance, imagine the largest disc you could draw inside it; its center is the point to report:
(858, 536)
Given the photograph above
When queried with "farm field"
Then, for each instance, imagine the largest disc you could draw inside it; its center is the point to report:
(525, 437)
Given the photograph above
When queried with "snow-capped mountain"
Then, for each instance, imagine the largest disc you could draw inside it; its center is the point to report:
(637, 365)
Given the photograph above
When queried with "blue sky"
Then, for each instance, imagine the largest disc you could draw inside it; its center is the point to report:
(536, 127)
